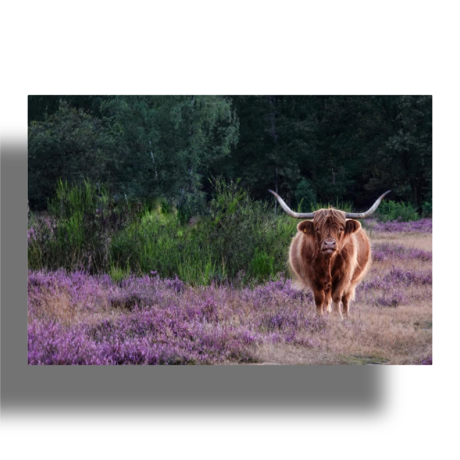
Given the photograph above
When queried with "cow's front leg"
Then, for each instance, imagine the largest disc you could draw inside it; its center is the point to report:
(320, 297)
(346, 302)
(336, 307)
(327, 302)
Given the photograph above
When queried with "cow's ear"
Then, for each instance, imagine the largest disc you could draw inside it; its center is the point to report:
(306, 226)
(352, 226)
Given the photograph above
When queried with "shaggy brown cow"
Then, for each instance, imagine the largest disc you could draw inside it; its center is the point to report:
(330, 254)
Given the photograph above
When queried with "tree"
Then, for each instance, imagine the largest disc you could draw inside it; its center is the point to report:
(70, 145)
(169, 143)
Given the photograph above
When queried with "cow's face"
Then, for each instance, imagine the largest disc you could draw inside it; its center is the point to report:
(330, 229)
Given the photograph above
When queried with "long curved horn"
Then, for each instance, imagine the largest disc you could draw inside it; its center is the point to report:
(297, 215)
(363, 215)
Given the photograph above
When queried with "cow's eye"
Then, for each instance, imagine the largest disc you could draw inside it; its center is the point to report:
(341, 229)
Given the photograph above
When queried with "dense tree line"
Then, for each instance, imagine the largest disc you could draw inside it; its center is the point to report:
(309, 148)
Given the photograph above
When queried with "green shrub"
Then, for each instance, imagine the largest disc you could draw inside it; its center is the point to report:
(262, 265)
(427, 209)
(237, 239)
(391, 210)
(118, 274)
(218, 247)
(76, 234)
(305, 196)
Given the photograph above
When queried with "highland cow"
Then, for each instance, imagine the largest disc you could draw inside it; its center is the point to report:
(330, 254)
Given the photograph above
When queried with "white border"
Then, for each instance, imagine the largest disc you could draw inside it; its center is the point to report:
(256, 47)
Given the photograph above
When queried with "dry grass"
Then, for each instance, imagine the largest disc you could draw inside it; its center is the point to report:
(58, 305)
(411, 240)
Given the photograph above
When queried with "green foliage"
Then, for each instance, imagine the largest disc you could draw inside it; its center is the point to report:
(391, 210)
(70, 145)
(262, 265)
(234, 218)
(305, 195)
(118, 274)
(77, 232)
(346, 148)
(168, 143)
(343, 206)
(237, 239)
(158, 242)
(159, 210)
(237, 236)
(427, 209)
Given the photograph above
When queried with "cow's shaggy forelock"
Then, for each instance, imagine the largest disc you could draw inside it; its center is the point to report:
(325, 218)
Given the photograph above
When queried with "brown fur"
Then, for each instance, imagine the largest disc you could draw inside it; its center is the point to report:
(332, 278)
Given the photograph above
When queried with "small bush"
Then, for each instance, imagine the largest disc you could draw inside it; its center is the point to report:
(305, 196)
(118, 274)
(77, 232)
(391, 210)
(427, 209)
(262, 265)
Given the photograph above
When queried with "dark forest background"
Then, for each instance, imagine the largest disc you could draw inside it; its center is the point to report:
(326, 149)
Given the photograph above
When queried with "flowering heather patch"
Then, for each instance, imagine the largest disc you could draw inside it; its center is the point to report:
(76, 318)
(397, 277)
(389, 251)
(152, 321)
(417, 226)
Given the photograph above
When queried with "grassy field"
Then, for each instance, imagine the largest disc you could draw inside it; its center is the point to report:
(76, 318)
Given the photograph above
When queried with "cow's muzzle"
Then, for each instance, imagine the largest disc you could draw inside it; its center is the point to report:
(328, 246)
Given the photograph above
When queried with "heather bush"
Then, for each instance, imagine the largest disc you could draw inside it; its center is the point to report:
(121, 319)
(77, 318)
(419, 226)
(391, 251)
(149, 320)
